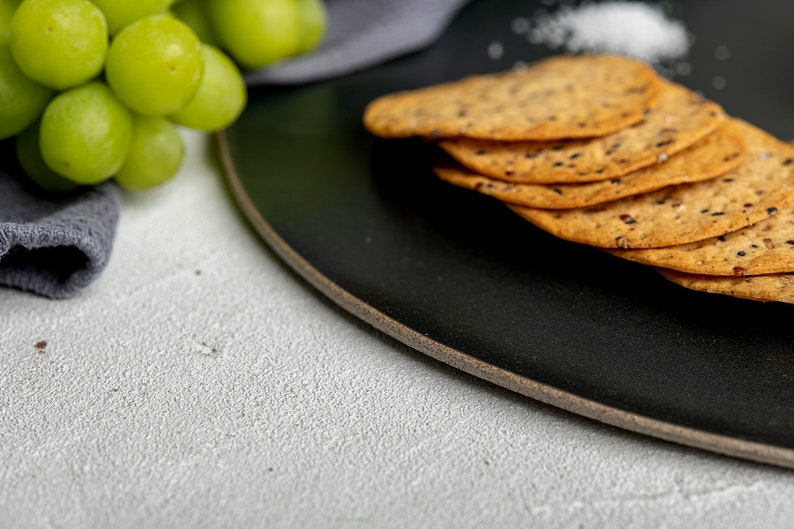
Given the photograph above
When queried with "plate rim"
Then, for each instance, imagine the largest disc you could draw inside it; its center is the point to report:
(547, 394)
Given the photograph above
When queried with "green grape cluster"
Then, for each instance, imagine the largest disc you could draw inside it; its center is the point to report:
(97, 89)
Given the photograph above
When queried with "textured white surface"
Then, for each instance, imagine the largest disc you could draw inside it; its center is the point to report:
(200, 384)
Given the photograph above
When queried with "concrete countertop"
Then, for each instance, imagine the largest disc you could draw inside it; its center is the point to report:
(199, 383)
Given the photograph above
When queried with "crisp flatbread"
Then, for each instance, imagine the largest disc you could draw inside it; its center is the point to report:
(567, 96)
(766, 247)
(678, 119)
(772, 287)
(710, 157)
(760, 186)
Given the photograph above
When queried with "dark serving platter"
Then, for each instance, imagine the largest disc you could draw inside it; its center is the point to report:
(459, 277)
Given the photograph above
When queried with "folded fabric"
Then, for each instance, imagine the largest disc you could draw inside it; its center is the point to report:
(362, 33)
(54, 246)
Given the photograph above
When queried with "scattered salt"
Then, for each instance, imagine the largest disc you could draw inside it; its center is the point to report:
(718, 83)
(635, 29)
(496, 50)
(722, 53)
(520, 25)
(683, 68)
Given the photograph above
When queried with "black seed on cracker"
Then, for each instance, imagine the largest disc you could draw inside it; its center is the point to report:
(628, 219)
(637, 145)
(564, 86)
(701, 161)
(765, 183)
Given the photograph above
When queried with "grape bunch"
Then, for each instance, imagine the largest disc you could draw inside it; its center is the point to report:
(94, 90)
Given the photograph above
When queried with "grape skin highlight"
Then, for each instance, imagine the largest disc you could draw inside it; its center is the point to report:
(256, 32)
(220, 98)
(96, 89)
(85, 133)
(120, 13)
(156, 153)
(59, 43)
(155, 65)
(314, 20)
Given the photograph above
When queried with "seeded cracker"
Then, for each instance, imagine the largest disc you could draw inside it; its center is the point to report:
(773, 287)
(561, 97)
(679, 119)
(712, 156)
(766, 247)
(758, 188)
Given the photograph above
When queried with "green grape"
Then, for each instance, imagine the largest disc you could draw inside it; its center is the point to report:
(314, 21)
(85, 133)
(21, 99)
(119, 13)
(7, 8)
(256, 32)
(29, 156)
(155, 65)
(220, 98)
(194, 14)
(155, 155)
(59, 43)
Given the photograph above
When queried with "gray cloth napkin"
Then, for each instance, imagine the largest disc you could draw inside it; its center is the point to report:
(362, 33)
(54, 246)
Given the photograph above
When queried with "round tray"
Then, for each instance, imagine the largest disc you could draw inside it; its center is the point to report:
(457, 276)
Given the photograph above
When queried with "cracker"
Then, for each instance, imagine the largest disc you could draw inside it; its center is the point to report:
(756, 189)
(766, 247)
(712, 156)
(679, 119)
(773, 287)
(565, 96)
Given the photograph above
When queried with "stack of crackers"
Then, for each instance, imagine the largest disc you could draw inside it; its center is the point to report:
(600, 150)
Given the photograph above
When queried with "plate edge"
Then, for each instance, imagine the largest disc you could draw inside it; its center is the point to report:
(725, 445)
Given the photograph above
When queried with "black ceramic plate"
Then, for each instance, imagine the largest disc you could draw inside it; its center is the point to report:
(459, 277)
